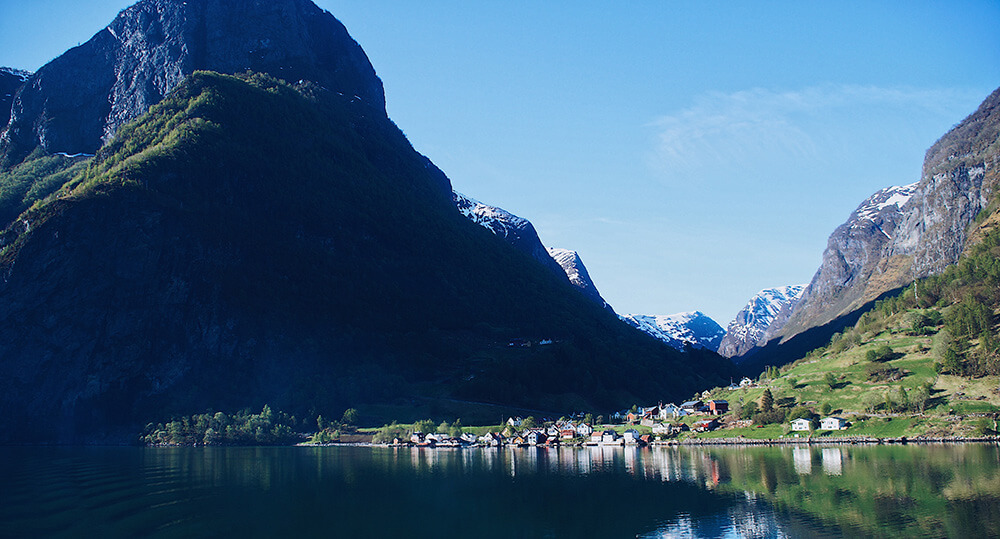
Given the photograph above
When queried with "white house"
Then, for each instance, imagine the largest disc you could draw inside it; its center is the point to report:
(833, 423)
(609, 437)
(800, 424)
(631, 436)
(535, 437)
(584, 429)
(661, 428)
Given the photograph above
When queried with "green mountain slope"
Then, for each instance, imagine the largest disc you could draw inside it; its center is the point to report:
(250, 242)
(925, 361)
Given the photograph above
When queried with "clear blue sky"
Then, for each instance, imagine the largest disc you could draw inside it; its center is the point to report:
(693, 153)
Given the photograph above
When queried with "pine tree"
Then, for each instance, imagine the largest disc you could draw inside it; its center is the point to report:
(766, 401)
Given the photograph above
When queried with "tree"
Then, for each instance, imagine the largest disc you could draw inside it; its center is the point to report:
(528, 422)
(350, 417)
(919, 398)
(871, 401)
(766, 401)
(456, 429)
(588, 418)
(830, 380)
(825, 409)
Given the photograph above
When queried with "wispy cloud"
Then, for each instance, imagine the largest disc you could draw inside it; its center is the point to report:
(765, 131)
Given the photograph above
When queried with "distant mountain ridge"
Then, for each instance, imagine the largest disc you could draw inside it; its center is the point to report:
(748, 329)
(680, 330)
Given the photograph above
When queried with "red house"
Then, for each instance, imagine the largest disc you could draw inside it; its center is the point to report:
(718, 407)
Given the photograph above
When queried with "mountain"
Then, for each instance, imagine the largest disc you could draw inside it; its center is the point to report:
(748, 329)
(78, 101)
(517, 231)
(572, 265)
(694, 329)
(521, 234)
(897, 235)
(904, 233)
(11, 80)
(250, 240)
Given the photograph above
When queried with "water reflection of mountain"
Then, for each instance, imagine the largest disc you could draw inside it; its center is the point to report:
(887, 491)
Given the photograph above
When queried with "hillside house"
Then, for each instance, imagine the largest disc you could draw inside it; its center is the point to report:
(718, 407)
(692, 407)
(584, 429)
(670, 411)
(705, 425)
(801, 424)
(833, 423)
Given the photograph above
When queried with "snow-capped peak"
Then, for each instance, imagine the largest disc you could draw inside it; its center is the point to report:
(750, 325)
(693, 328)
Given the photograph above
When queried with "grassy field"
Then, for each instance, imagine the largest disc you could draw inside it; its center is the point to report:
(875, 407)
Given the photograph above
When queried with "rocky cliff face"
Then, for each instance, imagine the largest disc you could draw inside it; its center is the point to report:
(11, 81)
(748, 329)
(80, 100)
(681, 330)
(904, 233)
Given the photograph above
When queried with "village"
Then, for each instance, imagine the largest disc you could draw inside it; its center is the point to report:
(653, 425)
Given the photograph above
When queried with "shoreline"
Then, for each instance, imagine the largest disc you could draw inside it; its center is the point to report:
(698, 442)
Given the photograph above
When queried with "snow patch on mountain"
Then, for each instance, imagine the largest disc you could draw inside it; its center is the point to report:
(689, 328)
(500, 221)
(749, 328)
(890, 199)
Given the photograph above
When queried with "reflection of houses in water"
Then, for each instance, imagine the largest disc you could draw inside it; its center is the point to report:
(802, 460)
(631, 454)
(833, 460)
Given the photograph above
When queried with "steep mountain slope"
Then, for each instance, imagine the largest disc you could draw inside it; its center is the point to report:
(694, 329)
(517, 231)
(521, 234)
(578, 275)
(80, 100)
(900, 234)
(747, 330)
(11, 80)
(249, 241)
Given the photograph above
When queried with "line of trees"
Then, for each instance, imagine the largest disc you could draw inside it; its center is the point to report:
(218, 428)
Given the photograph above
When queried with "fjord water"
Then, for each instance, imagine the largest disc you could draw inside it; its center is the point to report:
(897, 491)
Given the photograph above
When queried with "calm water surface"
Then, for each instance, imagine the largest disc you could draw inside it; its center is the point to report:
(911, 491)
